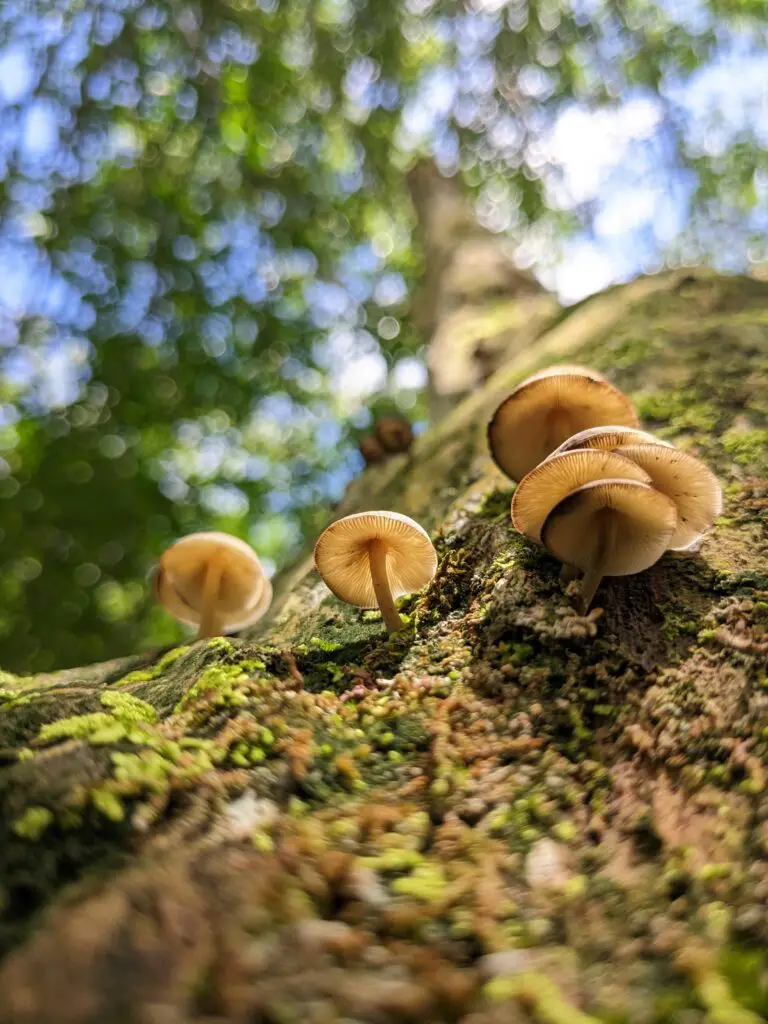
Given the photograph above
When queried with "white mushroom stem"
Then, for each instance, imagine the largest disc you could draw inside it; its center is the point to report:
(209, 620)
(377, 556)
(593, 576)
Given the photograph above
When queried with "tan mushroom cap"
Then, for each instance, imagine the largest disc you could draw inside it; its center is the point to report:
(342, 556)
(609, 438)
(555, 478)
(624, 525)
(244, 592)
(692, 486)
(548, 408)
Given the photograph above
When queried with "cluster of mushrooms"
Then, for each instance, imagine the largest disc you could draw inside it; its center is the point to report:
(601, 495)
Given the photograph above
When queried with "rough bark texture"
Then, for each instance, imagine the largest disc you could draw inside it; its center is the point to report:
(507, 812)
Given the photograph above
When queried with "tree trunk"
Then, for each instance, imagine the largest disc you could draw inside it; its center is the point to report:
(505, 812)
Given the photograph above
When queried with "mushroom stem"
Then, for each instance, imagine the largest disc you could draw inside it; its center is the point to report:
(568, 572)
(594, 574)
(377, 555)
(209, 620)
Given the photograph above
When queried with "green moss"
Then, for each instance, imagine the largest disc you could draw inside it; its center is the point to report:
(328, 646)
(107, 803)
(220, 684)
(542, 995)
(221, 644)
(393, 861)
(565, 831)
(748, 448)
(156, 770)
(496, 504)
(98, 726)
(744, 969)
(519, 654)
(678, 411)
(712, 872)
(631, 351)
(715, 994)
(160, 666)
(32, 823)
(11, 699)
(426, 884)
(252, 665)
(677, 624)
(127, 708)
(124, 720)
(262, 841)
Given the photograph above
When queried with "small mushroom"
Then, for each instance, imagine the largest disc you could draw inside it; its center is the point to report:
(692, 486)
(370, 558)
(371, 450)
(555, 478)
(394, 434)
(548, 408)
(609, 438)
(610, 528)
(213, 581)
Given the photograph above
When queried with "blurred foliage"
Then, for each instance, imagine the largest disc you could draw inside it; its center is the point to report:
(207, 251)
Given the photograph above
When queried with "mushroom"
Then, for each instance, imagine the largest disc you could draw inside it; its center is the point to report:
(213, 581)
(394, 434)
(609, 439)
(371, 450)
(691, 485)
(610, 528)
(370, 558)
(555, 478)
(548, 408)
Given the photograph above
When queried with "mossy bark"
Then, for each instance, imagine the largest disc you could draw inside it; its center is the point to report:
(505, 812)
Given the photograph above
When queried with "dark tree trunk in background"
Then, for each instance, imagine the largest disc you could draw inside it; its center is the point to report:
(508, 812)
(475, 306)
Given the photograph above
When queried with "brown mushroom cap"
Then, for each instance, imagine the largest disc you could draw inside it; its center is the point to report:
(342, 556)
(394, 434)
(609, 439)
(548, 408)
(555, 478)
(692, 486)
(642, 520)
(244, 592)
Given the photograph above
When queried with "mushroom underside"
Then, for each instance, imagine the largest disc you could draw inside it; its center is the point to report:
(610, 528)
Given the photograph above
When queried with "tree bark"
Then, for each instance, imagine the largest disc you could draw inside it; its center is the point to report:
(504, 812)
(476, 307)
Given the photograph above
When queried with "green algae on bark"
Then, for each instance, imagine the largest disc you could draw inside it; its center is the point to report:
(507, 812)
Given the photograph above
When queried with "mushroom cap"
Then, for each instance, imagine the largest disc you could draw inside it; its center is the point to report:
(560, 368)
(609, 438)
(555, 478)
(341, 556)
(643, 520)
(244, 593)
(548, 408)
(692, 486)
